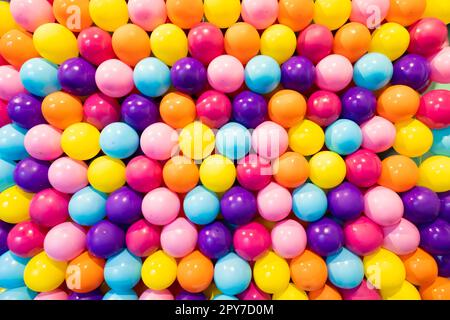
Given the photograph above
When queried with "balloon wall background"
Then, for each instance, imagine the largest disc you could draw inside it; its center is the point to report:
(224, 149)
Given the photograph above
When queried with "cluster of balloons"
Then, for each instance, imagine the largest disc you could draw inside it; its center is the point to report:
(224, 149)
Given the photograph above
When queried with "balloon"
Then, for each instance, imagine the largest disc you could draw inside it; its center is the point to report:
(406, 12)
(77, 76)
(12, 142)
(278, 41)
(398, 173)
(402, 238)
(433, 110)
(56, 294)
(64, 14)
(25, 110)
(114, 78)
(413, 138)
(65, 241)
(428, 36)
(159, 271)
(80, 141)
(363, 236)
(242, 41)
(153, 86)
(142, 238)
(177, 109)
(378, 134)
(196, 140)
(49, 208)
(249, 109)
(306, 138)
(156, 295)
(298, 73)
(11, 270)
(158, 141)
(68, 175)
(421, 205)
(147, 14)
(238, 206)
(109, 14)
(6, 174)
(373, 71)
(384, 270)
(406, 292)
(195, 272)
(438, 290)
(412, 70)
(253, 293)
(332, 13)
(180, 174)
(432, 172)
(222, 13)
(383, 206)
(291, 170)
(343, 137)
(28, 14)
(11, 85)
(440, 66)
(20, 293)
(369, 12)
(296, 14)
(269, 140)
(254, 172)
(327, 292)
(106, 174)
(156, 202)
(217, 173)
(358, 105)
(363, 168)
(352, 40)
(365, 291)
(345, 269)
(287, 108)
(309, 202)
(169, 43)
(119, 140)
(315, 42)
(390, 39)
(138, 111)
(131, 44)
(434, 237)
(421, 268)
(213, 108)
(105, 239)
(291, 293)
(188, 75)
(87, 206)
(262, 74)
(325, 237)
(225, 74)
(274, 202)
(184, 14)
(7, 18)
(61, 109)
(26, 239)
(120, 295)
(334, 73)
(440, 142)
(124, 206)
(44, 274)
(398, 103)
(16, 47)
(260, 14)
(345, 201)
(93, 295)
(95, 45)
(323, 108)
(308, 271)
(214, 240)
(122, 271)
(251, 241)
(179, 238)
(233, 141)
(327, 169)
(271, 273)
(15, 204)
(288, 239)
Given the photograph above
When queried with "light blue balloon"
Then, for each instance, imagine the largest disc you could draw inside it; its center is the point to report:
(309, 202)
(262, 74)
(152, 77)
(373, 71)
(225, 297)
(345, 269)
(233, 141)
(232, 274)
(6, 175)
(11, 142)
(11, 270)
(40, 77)
(343, 136)
(119, 140)
(120, 295)
(123, 271)
(21, 293)
(201, 205)
(441, 142)
(87, 206)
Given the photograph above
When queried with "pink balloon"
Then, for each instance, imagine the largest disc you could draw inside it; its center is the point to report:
(161, 206)
(114, 78)
(159, 141)
(68, 175)
(288, 239)
(440, 66)
(65, 241)
(30, 14)
(56, 294)
(363, 236)
(150, 294)
(205, 42)
(147, 14)
(143, 174)
(4, 118)
(179, 238)
(371, 13)
(334, 73)
(315, 42)
(428, 36)
(383, 206)
(274, 202)
(363, 168)
(362, 292)
(26, 239)
(142, 238)
(43, 142)
(49, 207)
(10, 83)
(401, 238)
(378, 134)
(101, 110)
(225, 74)
(270, 140)
(95, 45)
(259, 13)
(251, 241)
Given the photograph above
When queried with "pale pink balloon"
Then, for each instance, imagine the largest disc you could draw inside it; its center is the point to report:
(179, 238)
(440, 66)
(334, 73)
(274, 202)
(65, 241)
(56, 294)
(288, 239)
(10, 83)
(150, 294)
(270, 140)
(383, 206)
(43, 142)
(378, 134)
(114, 78)
(68, 175)
(259, 13)
(159, 141)
(147, 14)
(371, 13)
(225, 74)
(30, 14)
(401, 238)
(161, 206)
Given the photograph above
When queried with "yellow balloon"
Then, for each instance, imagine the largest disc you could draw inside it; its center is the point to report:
(109, 14)
(222, 13)
(291, 293)
(217, 173)
(196, 141)
(384, 270)
(7, 19)
(279, 42)
(434, 173)
(438, 9)
(81, 141)
(169, 43)
(327, 169)
(43, 274)
(106, 174)
(306, 138)
(15, 205)
(271, 273)
(413, 138)
(159, 271)
(333, 14)
(406, 292)
(55, 42)
(390, 39)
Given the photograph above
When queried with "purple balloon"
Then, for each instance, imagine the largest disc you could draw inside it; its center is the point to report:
(413, 71)
(298, 73)
(249, 109)
(139, 112)
(346, 201)
(123, 206)
(421, 205)
(188, 75)
(214, 240)
(77, 76)
(105, 239)
(444, 212)
(358, 104)
(93, 295)
(4, 230)
(32, 175)
(325, 237)
(184, 295)
(25, 110)
(238, 206)
(443, 265)
(435, 237)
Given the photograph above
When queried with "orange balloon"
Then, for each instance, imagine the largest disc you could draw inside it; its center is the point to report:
(61, 109)
(421, 268)
(131, 44)
(287, 108)
(296, 14)
(185, 13)
(195, 272)
(73, 14)
(438, 290)
(352, 41)
(180, 174)
(398, 103)
(309, 271)
(242, 41)
(406, 12)
(328, 292)
(291, 170)
(177, 109)
(85, 273)
(398, 173)
(16, 47)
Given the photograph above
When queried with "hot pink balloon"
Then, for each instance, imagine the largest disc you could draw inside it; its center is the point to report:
(315, 42)
(26, 239)
(205, 42)
(365, 291)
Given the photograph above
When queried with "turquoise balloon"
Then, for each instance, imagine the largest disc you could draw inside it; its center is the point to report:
(373, 71)
(6, 174)
(122, 271)
(262, 74)
(309, 202)
(119, 140)
(40, 77)
(120, 295)
(152, 77)
(87, 206)
(343, 137)
(225, 297)
(11, 142)
(201, 205)
(21, 293)
(345, 269)
(232, 274)
(11, 270)
(441, 142)
(233, 140)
